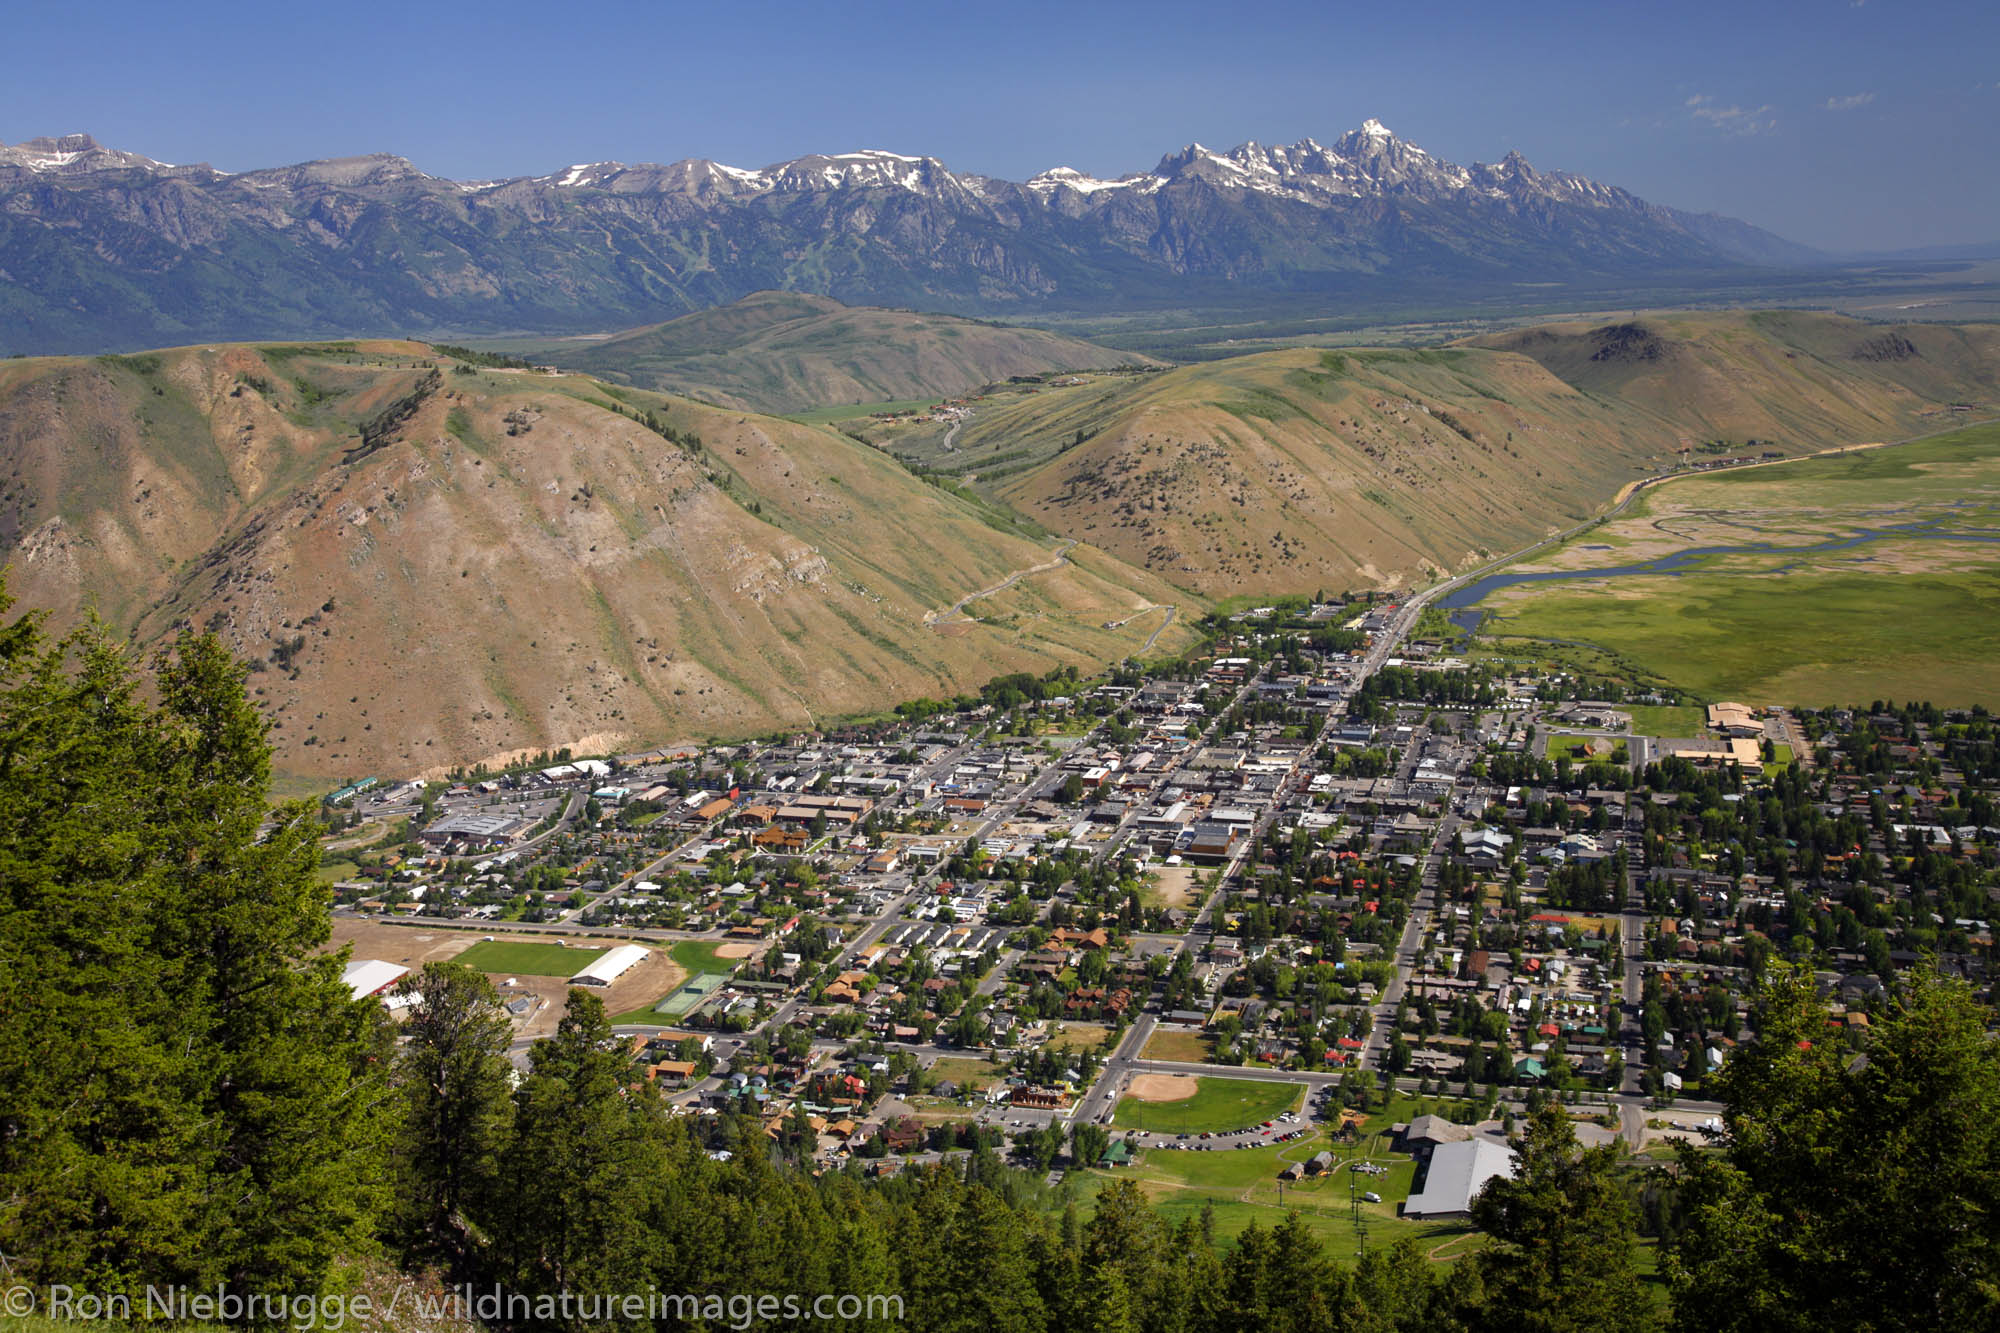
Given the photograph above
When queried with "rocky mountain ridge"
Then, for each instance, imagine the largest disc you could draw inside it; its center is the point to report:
(106, 248)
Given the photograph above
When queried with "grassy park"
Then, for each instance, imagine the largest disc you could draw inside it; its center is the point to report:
(516, 958)
(1216, 1104)
(1240, 1187)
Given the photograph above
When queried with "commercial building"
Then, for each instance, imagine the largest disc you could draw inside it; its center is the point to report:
(1458, 1171)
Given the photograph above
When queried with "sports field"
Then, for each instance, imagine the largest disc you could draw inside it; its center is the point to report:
(1216, 1104)
(512, 958)
(704, 956)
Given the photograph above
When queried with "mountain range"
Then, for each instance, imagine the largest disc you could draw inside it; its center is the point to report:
(102, 248)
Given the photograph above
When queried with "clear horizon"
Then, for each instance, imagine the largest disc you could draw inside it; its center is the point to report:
(1843, 125)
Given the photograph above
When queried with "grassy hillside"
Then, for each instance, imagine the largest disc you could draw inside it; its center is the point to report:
(435, 565)
(1309, 469)
(1306, 469)
(1792, 376)
(792, 352)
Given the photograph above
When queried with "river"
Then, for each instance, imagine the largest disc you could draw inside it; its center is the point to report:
(1462, 604)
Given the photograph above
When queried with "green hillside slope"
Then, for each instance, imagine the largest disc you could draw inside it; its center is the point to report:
(1308, 469)
(792, 352)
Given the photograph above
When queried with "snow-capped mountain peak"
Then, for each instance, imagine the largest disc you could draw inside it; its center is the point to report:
(76, 154)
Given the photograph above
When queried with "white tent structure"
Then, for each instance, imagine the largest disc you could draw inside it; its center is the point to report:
(610, 966)
(371, 976)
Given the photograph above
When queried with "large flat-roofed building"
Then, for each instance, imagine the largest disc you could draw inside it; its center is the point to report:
(840, 811)
(613, 964)
(1734, 720)
(1741, 751)
(1458, 1171)
(486, 830)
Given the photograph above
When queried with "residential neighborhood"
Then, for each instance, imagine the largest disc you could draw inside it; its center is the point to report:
(1326, 854)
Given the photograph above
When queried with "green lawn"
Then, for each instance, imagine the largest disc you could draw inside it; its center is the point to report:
(1781, 759)
(1218, 1104)
(1674, 721)
(330, 872)
(699, 956)
(1241, 1187)
(515, 958)
(1577, 749)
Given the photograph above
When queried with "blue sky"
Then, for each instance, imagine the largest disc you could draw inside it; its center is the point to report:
(1844, 124)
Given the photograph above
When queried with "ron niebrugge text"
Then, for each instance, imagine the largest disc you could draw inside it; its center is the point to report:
(486, 1305)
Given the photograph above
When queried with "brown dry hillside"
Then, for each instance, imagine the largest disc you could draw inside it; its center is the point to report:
(794, 352)
(433, 566)
(1797, 377)
(1302, 469)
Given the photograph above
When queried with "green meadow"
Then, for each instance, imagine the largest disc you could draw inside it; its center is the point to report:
(1899, 617)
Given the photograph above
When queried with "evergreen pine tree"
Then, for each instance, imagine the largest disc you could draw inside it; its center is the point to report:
(1563, 1227)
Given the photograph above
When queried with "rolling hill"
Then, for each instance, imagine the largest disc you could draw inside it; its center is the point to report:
(1310, 469)
(1796, 377)
(433, 564)
(792, 352)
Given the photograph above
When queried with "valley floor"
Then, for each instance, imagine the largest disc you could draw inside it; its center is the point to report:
(1881, 580)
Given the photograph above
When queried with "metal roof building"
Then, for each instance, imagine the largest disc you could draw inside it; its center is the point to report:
(475, 828)
(612, 965)
(1458, 1171)
(371, 976)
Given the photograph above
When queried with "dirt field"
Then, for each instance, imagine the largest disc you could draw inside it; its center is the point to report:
(1162, 1087)
(1079, 1037)
(1176, 1044)
(413, 946)
(1174, 886)
(736, 949)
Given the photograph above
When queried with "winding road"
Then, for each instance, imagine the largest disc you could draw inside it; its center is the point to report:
(1057, 561)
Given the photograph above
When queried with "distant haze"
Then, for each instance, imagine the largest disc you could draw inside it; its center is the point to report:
(1846, 125)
